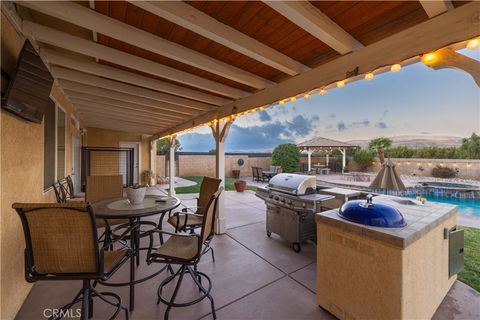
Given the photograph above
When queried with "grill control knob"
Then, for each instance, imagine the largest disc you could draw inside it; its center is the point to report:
(283, 199)
(289, 202)
(270, 196)
(276, 198)
(304, 204)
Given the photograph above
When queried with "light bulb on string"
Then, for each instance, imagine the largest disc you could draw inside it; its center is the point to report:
(396, 67)
(369, 76)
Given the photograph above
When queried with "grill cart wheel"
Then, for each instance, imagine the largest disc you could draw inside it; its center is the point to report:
(269, 233)
(296, 247)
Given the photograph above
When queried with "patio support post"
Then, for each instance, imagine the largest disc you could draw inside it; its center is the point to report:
(344, 159)
(171, 169)
(309, 153)
(220, 132)
(153, 153)
(326, 159)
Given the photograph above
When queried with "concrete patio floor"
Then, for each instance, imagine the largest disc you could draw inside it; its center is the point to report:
(254, 277)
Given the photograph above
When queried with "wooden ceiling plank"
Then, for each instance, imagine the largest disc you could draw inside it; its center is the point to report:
(57, 58)
(115, 126)
(97, 22)
(120, 110)
(436, 7)
(160, 106)
(138, 119)
(190, 18)
(90, 98)
(309, 18)
(64, 40)
(77, 76)
(442, 31)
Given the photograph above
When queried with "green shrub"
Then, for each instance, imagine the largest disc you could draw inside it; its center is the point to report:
(444, 172)
(287, 156)
(364, 158)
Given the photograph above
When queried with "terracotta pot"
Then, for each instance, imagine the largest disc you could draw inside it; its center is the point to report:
(240, 185)
(136, 196)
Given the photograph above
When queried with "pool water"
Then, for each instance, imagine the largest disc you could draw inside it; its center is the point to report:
(466, 207)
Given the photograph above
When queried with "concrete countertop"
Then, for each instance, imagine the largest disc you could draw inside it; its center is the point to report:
(341, 191)
(420, 220)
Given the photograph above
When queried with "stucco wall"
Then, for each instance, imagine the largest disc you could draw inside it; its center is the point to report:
(109, 138)
(204, 165)
(21, 175)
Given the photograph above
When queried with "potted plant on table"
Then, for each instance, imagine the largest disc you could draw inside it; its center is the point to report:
(148, 179)
(240, 185)
(136, 193)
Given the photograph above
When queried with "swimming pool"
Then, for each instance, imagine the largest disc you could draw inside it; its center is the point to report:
(466, 207)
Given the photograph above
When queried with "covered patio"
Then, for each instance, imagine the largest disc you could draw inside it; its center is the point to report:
(132, 72)
(255, 277)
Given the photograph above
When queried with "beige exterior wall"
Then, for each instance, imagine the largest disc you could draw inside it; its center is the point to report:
(109, 138)
(361, 278)
(204, 165)
(21, 176)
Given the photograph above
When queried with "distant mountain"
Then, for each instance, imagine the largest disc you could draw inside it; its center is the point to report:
(417, 141)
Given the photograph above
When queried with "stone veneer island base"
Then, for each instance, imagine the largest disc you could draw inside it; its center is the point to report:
(380, 273)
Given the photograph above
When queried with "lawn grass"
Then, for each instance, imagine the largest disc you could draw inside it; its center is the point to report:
(229, 185)
(471, 273)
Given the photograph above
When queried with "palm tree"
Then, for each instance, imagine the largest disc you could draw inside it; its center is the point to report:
(379, 145)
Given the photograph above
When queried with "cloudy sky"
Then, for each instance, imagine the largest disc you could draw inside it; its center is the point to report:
(415, 101)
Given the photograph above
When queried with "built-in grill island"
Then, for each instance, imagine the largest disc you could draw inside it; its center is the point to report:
(292, 202)
(387, 258)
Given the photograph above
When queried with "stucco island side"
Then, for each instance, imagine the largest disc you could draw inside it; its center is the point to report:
(380, 273)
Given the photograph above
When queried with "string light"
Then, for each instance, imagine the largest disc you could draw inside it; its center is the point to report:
(429, 58)
(473, 44)
(396, 67)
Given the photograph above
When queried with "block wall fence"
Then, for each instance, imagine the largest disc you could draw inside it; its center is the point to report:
(203, 164)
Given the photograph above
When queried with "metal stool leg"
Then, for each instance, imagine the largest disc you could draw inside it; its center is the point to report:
(175, 292)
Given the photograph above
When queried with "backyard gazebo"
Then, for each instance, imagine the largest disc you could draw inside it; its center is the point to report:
(324, 144)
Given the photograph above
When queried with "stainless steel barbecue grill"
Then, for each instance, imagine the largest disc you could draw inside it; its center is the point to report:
(292, 202)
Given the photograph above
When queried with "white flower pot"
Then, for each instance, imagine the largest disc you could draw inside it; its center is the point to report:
(136, 196)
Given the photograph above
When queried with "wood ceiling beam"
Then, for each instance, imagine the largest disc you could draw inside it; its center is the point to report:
(122, 111)
(57, 58)
(64, 40)
(97, 22)
(196, 21)
(116, 115)
(85, 78)
(436, 7)
(120, 108)
(93, 99)
(444, 30)
(309, 18)
(115, 125)
(110, 120)
(79, 87)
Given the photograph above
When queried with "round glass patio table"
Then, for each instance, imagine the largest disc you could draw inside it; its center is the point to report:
(121, 208)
